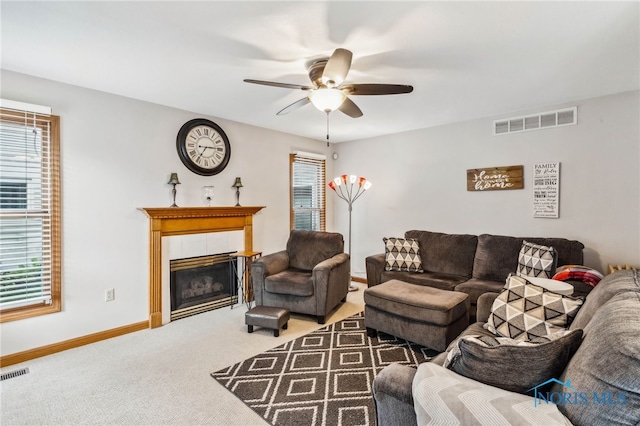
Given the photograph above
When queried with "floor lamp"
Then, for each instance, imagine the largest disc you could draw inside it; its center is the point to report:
(343, 186)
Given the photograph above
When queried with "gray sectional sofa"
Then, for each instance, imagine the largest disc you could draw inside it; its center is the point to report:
(599, 385)
(471, 264)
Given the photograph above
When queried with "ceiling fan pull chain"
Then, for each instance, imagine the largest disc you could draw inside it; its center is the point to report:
(328, 128)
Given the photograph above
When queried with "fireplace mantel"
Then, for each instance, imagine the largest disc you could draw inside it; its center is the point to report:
(169, 221)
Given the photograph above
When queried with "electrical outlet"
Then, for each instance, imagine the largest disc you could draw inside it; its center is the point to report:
(109, 294)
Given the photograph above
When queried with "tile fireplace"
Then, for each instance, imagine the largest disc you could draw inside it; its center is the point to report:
(171, 221)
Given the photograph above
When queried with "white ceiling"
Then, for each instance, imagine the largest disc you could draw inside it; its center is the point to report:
(465, 59)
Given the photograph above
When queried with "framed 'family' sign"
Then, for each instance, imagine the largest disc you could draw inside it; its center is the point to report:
(495, 178)
(546, 190)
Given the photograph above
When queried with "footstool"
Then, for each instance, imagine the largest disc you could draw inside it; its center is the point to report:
(267, 317)
(425, 315)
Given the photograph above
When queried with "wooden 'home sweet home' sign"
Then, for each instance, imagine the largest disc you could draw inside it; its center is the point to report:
(495, 178)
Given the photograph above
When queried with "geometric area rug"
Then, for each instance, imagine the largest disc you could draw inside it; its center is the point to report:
(323, 378)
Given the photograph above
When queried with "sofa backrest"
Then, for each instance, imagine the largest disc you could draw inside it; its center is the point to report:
(607, 288)
(308, 248)
(497, 255)
(446, 253)
(605, 370)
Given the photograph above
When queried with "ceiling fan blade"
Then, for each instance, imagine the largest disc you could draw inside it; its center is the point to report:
(377, 89)
(294, 106)
(276, 84)
(350, 108)
(337, 67)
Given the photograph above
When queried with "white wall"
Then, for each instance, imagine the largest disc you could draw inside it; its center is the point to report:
(117, 154)
(419, 182)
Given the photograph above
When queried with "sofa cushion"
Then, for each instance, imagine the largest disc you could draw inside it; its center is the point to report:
(497, 255)
(607, 364)
(523, 310)
(569, 251)
(441, 397)
(308, 248)
(402, 254)
(417, 302)
(612, 284)
(291, 281)
(446, 253)
(535, 260)
(476, 287)
(513, 365)
(429, 279)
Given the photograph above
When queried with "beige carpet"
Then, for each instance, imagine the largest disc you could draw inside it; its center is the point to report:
(151, 377)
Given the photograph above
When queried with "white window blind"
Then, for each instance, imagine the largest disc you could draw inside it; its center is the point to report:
(29, 209)
(307, 192)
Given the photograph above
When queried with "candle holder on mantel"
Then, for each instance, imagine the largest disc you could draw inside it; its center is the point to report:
(237, 185)
(207, 194)
(173, 180)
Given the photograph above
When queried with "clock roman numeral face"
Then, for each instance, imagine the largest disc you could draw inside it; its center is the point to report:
(205, 147)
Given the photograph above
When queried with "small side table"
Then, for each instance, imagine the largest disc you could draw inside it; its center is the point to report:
(243, 274)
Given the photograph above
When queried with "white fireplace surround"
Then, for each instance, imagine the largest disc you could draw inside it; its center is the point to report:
(185, 246)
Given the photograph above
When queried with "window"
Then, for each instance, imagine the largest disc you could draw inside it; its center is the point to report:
(29, 214)
(307, 177)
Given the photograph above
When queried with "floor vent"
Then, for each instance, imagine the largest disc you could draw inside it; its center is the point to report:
(543, 120)
(12, 374)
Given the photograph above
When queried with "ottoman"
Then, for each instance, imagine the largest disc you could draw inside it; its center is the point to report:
(267, 317)
(428, 316)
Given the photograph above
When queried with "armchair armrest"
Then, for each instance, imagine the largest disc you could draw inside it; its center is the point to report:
(337, 265)
(331, 279)
(265, 266)
(483, 307)
(271, 263)
(332, 262)
(375, 267)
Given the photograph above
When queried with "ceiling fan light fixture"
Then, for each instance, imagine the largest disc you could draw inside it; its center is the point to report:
(327, 99)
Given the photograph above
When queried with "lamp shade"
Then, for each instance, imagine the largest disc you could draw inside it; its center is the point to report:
(237, 183)
(326, 99)
(173, 180)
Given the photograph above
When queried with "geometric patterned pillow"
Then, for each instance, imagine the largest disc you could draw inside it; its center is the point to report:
(536, 261)
(402, 254)
(524, 311)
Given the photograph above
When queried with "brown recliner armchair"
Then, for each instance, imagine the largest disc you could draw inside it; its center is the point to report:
(311, 276)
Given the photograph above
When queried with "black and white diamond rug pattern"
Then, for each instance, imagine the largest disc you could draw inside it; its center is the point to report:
(323, 378)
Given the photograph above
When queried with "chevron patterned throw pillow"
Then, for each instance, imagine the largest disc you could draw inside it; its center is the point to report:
(402, 254)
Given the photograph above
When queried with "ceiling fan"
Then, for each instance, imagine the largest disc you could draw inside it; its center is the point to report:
(327, 92)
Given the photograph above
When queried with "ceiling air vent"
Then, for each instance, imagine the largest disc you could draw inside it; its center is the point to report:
(543, 120)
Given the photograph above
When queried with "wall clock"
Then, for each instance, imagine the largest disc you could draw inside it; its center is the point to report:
(203, 147)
